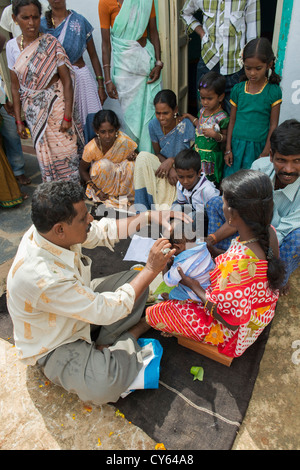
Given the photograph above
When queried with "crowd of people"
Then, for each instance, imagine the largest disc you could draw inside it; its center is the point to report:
(224, 186)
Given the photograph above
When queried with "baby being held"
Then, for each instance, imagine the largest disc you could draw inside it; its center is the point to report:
(192, 257)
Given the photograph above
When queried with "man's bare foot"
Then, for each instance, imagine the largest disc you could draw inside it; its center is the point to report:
(140, 328)
(285, 289)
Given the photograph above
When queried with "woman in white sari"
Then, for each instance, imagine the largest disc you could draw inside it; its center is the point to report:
(133, 77)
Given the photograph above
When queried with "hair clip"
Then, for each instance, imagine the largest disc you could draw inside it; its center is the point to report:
(202, 85)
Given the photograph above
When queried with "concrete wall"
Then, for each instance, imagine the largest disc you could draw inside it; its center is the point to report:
(289, 40)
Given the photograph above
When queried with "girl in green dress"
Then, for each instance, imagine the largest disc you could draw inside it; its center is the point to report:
(255, 108)
(211, 126)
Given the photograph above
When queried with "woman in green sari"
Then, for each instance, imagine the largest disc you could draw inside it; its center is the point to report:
(134, 77)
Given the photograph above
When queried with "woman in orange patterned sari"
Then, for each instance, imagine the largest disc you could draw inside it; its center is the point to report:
(42, 83)
(241, 299)
(107, 163)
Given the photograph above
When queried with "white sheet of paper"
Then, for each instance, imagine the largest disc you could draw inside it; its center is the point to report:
(139, 249)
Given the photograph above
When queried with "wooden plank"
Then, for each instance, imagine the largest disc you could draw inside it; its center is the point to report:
(206, 350)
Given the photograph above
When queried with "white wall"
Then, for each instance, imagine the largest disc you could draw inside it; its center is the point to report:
(290, 84)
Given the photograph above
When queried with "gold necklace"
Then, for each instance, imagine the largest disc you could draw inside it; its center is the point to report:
(252, 240)
(52, 19)
(164, 130)
(22, 42)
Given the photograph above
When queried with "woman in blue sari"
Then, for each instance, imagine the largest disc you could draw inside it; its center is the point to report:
(74, 32)
(155, 178)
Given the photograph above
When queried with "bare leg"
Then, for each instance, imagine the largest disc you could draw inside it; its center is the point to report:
(140, 328)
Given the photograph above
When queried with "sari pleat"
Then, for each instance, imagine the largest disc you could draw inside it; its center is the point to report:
(10, 194)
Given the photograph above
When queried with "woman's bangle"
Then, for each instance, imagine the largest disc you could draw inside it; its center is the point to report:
(227, 152)
(99, 77)
(212, 309)
(66, 119)
(19, 122)
(221, 137)
(205, 305)
(106, 65)
(212, 235)
(195, 120)
(109, 81)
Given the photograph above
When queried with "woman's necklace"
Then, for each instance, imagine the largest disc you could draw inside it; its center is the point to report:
(22, 42)
(166, 131)
(252, 240)
(58, 23)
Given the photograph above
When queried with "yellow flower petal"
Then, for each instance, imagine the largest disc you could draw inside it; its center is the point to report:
(160, 446)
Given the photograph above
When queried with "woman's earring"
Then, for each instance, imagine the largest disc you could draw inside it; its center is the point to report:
(229, 221)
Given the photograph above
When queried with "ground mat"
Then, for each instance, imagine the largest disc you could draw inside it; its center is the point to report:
(183, 414)
(195, 415)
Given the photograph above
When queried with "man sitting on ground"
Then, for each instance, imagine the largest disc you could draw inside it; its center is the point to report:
(83, 336)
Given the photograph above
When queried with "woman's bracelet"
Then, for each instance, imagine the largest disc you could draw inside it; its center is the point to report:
(221, 137)
(66, 119)
(109, 81)
(227, 152)
(148, 217)
(19, 122)
(212, 309)
(99, 77)
(195, 120)
(106, 65)
(212, 235)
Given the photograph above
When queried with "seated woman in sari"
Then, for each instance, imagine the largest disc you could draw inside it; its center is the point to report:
(74, 32)
(154, 176)
(241, 299)
(41, 77)
(133, 77)
(107, 163)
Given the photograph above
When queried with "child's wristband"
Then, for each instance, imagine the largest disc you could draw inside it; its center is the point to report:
(66, 119)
